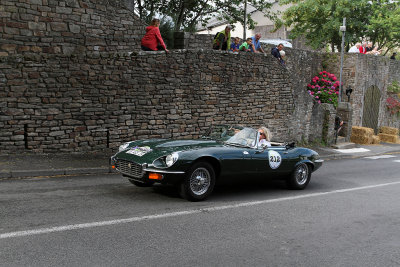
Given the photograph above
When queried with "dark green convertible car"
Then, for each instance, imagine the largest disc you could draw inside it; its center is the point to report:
(223, 152)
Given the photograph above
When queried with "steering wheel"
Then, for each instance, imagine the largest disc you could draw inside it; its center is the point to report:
(223, 133)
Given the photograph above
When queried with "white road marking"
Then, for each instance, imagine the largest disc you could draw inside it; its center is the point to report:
(352, 150)
(397, 160)
(181, 213)
(381, 157)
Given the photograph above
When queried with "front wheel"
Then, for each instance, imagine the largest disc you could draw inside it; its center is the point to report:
(300, 177)
(199, 182)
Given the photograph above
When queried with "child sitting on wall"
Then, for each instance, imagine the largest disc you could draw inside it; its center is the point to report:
(235, 46)
(246, 45)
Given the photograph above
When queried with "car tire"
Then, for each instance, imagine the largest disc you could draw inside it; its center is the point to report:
(300, 177)
(199, 182)
(141, 184)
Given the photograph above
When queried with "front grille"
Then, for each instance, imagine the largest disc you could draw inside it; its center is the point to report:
(129, 168)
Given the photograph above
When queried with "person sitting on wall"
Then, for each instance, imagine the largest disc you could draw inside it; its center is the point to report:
(256, 45)
(235, 46)
(222, 40)
(369, 47)
(393, 56)
(363, 48)
(246, 45)
(355, 48)
(374, 51)
(276, 52)
(152, 40)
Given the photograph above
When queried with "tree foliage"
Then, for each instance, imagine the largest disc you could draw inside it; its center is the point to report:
(319, 21)
(233, 11)
(384, 25)
(146, 9)
(187, 14)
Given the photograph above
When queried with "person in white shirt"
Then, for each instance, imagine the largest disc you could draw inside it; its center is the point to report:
(264, 137)
(355, 49)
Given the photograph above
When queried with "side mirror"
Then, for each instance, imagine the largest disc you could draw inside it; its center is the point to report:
(261, 149)
(265, 146)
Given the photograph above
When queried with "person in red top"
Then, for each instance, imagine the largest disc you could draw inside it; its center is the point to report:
(152, 40)
(363, 48)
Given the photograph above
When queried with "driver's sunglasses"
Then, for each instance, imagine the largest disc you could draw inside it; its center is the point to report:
(262, 134)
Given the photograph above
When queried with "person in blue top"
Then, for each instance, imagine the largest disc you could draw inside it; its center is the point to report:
(276, 52)
(235, 46)
(256, 45)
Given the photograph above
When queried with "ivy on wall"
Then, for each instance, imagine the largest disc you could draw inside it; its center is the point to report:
(394, 87)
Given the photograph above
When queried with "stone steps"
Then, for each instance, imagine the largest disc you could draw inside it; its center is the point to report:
(342, 144)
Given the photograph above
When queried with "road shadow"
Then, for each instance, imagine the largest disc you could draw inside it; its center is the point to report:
(234, 190)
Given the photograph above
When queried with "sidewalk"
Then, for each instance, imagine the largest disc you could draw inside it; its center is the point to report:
(360, 151)
(36, 165)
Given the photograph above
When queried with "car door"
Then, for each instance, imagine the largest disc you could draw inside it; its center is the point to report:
(272, 161)
(235, 161)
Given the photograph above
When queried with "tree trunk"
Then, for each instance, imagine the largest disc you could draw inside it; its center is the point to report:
(179, 19)
(151, 11)
(140, 8)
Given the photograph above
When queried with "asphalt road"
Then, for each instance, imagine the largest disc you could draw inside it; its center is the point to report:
(349, 215)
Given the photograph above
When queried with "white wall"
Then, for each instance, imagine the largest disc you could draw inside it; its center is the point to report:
(237, 32)
(256, 16)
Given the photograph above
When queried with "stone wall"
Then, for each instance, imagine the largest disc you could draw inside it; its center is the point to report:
(73, 78)
(66, 27)
(186, 40)
(345, 113)
(90, 102)
(394, 75)
(309, 118)
(361, 72)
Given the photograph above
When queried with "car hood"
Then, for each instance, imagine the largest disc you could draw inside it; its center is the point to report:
(149, 150)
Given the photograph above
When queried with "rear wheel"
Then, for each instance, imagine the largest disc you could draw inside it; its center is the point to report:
(199, 182)
(141, 184)
(300, 177)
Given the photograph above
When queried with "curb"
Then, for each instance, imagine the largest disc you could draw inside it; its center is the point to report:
(354, 156)
(53, 172)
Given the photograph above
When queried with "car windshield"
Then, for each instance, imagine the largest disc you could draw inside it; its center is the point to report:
(234, 135)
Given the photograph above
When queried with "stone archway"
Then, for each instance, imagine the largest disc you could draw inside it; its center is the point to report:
(372, 100)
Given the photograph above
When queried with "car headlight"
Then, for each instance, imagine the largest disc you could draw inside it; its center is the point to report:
(171, 159)
(123, 146)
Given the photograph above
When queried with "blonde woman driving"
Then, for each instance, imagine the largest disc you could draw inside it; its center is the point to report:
(264, 138)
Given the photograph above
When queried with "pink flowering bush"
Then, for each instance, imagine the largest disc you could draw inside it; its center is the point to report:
(324, 88)
(393, 105)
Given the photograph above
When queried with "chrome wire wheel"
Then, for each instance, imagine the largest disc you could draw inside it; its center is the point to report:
(300, 177)
(301, 174)
(200, 181)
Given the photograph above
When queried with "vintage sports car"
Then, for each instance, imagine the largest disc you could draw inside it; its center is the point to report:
(223, 152)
